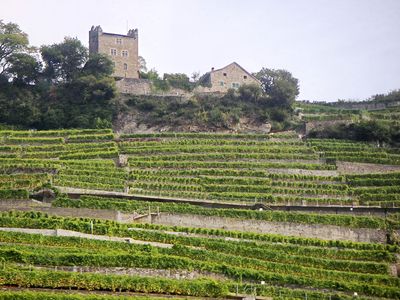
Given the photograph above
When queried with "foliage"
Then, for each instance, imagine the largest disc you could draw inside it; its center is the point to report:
(26, 295)
(276, 216)
(13, 42)
(142, 64)
(373, 131)
(179, 81)
(64, 61)
(49, 279)
(71, 90)
(98, 65)
(279, 85)
(205, 111)
(250, 92)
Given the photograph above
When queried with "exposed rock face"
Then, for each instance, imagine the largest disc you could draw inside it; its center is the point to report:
(45, 195)
(130, 122)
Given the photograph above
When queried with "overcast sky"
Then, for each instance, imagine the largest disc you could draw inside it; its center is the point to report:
(341, 49)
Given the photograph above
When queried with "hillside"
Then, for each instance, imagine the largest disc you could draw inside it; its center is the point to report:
(197, 214)
(374, 120)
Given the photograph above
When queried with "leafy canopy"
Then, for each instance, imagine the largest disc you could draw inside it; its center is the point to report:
(279, 85)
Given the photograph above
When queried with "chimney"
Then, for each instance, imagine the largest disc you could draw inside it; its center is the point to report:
(212, 69)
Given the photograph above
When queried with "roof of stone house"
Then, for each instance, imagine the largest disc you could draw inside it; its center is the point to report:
(206, 76)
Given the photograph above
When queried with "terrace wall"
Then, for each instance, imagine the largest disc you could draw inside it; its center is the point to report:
(324, 124)
(326, 232)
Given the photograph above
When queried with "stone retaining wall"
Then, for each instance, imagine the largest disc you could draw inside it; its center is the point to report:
(325, 232)
(146, 272)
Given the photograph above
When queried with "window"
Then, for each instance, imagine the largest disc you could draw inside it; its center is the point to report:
(235, 85)
(125, 66)
(245, 76)
(125, 53)
(113, 52)
(221, 83)
(224, 74)
(119, 41)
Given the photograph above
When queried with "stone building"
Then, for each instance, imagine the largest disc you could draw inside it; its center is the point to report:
(122, 49)
(220, 80)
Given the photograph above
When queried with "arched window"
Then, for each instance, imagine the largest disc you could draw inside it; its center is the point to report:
(125, 66)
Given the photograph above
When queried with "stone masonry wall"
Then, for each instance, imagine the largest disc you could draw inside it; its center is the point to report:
(326, 232)
(222, 79)
(108, 42)
(139, 86)
(324, 124)
(144, 272)
(134, 86)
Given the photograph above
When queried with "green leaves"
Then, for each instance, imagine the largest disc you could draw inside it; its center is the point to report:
(279, 85)
(12, 41)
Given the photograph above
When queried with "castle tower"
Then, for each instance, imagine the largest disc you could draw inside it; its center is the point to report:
(122, 49)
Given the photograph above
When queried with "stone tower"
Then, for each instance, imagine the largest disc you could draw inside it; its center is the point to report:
(122, 49)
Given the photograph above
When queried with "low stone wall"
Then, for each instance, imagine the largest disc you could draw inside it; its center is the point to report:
(139, 86)
(324, 124)
(145, 272)
(134, 86)
(326, 232)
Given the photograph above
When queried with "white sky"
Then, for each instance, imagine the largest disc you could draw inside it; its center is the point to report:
(341, 49)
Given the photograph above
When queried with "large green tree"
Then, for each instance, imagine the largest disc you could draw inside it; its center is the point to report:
(81, 91)
(279, 85)
(64, 61)
(71, 89)
(15, 58)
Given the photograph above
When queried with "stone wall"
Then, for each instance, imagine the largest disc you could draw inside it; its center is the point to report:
(146, 272)
(324, 124)
(325, 232)
(134, 86)
(223, 79)
(139, 86)
(125, 66)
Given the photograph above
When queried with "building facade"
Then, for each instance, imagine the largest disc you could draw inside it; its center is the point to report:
(122, 49)
(221, 80)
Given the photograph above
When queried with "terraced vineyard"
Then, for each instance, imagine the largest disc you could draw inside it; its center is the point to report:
(203, 215)
(325, 112)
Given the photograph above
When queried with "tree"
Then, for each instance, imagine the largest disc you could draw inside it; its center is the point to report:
(23, 68)
(151, 75)
(64, 61)
(142, 64)
(279, 85)
(178, 80)
(250, 92)
(98, 65)
(195, 76)
(18, 106)
(13, 41)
